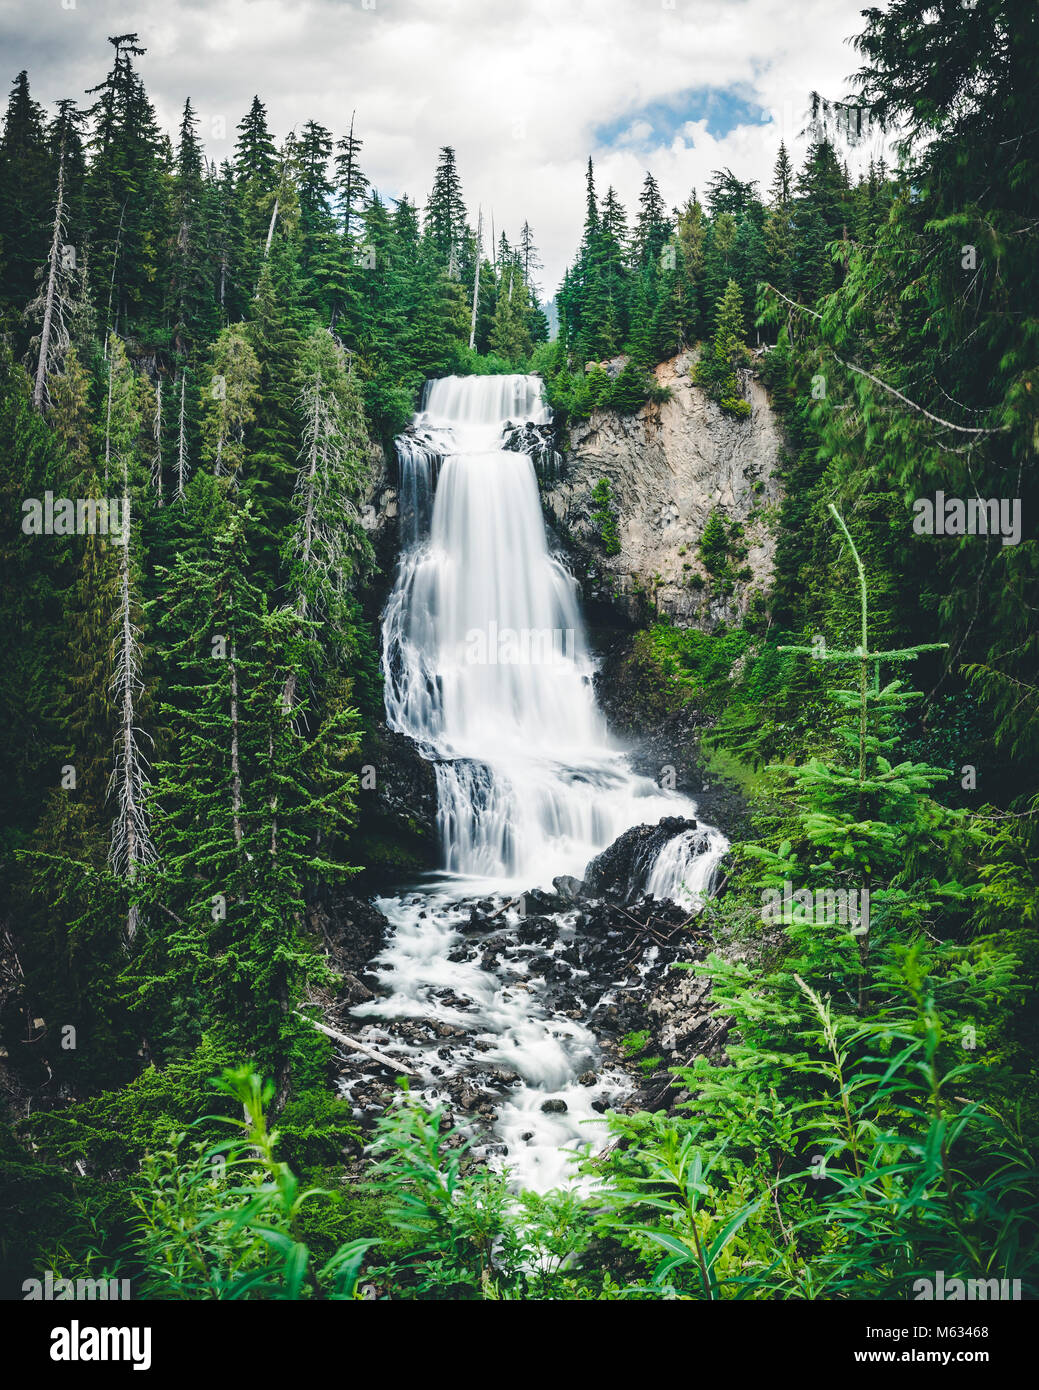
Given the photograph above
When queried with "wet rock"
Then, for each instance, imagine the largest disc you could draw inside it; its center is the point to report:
(541, 930)
(539, 442)
(621, 870)
(397, 817)
(554, 1107)
(568, 887)
(451, 1000)
(535, 902)
(588, 1078)
(503, 1074)
(352, 992)
(354, 931)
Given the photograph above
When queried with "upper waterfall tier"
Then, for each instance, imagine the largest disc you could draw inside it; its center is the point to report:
(483, 400)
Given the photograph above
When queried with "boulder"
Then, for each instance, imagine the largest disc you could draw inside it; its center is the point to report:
(620, 871)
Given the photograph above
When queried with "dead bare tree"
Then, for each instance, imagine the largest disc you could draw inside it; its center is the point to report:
(182, 447)
(131, 845)
(54, 299)
(157, 433)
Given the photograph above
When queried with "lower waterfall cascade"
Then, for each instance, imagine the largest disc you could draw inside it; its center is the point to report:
(487, 669)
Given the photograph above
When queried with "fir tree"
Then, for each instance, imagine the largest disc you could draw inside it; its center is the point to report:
(719, 363)
(445, 222)
(229, 401)
(351, 183)
(26, 193)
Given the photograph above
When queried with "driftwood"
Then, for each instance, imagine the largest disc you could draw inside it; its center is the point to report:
(377, 1056)
(504, 908)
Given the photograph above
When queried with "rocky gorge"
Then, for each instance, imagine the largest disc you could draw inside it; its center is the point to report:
(601, 950)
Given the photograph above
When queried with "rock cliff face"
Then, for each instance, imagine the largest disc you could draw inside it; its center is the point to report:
(669, 467)
(381, 506)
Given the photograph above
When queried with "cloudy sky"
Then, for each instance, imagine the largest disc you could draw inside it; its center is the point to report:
(525, 90)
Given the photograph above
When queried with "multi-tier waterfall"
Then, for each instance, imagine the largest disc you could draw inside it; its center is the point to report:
(487, 669)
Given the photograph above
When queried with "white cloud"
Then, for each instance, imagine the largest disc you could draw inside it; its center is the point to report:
(636, 134)
(519, 88)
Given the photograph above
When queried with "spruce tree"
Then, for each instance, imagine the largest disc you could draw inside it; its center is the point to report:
(229, 401)
(716, 370)
(26, 194)
(125, 196)
(193, 308)
(351, 183)
(445, 221)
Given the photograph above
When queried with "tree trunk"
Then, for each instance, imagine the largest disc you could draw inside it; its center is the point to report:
(476, 282)
(108, 421)
(40, 386)
(157, 464)
(236, 771)
(181, 442)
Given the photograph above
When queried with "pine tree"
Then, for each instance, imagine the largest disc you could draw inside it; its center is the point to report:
(26, 194)
(728, 194)
(193, 307)
(528, 257)
(823, 214)
(125, 195)
(691, 233)
(276, 335)
(131, 845)
(351, 183)
(238, 840)
(316, 223)
(652, 226)
(719, 263)
(328, 550)
(510, 332)
(445, 222)
(257, 184)
(229, 400)
(781, 187)
(863, 821)
(718, 364)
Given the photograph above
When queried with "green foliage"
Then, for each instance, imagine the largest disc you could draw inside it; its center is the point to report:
(223, 1221)
(604, 517)
(718, 364)
(832, 1158)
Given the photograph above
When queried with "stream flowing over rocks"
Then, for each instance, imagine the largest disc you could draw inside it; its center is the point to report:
(569, 881)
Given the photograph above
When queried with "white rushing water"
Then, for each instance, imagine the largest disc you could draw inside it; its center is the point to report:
(487, 668)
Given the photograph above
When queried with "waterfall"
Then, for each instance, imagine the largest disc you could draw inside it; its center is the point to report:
(487, 668)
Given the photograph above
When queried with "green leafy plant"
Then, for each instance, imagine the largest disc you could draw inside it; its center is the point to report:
(604, 517)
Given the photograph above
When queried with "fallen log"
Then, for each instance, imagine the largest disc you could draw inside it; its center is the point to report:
(504, 908)
(372, 1052)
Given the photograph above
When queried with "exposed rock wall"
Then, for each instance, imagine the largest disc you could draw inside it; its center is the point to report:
(381, 506)
(669, 466)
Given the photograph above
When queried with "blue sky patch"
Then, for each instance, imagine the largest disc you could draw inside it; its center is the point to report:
(657, 123)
